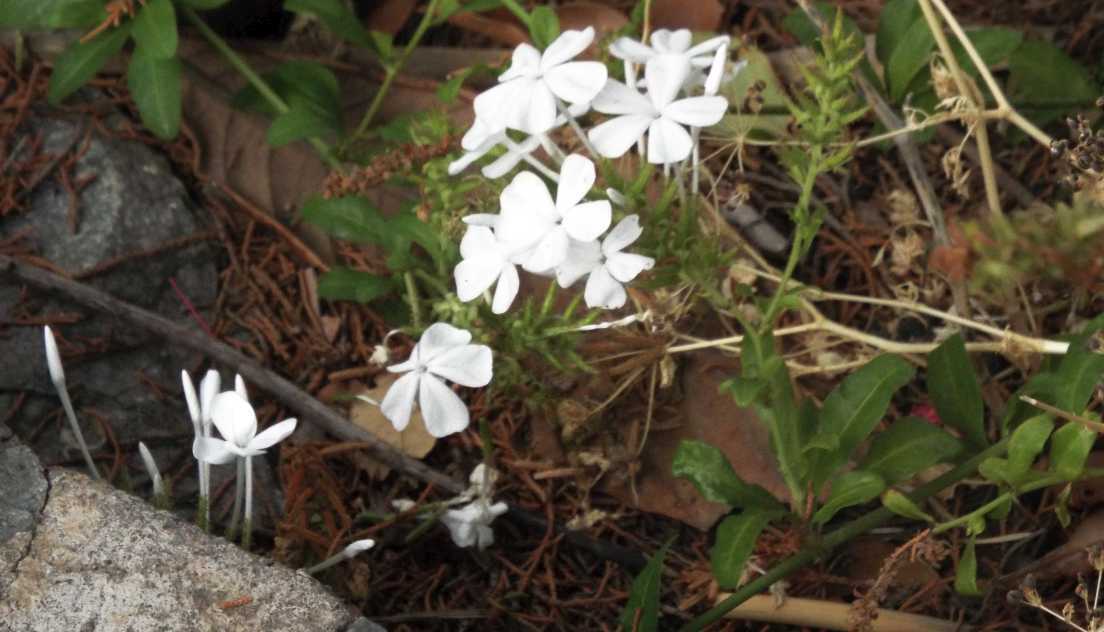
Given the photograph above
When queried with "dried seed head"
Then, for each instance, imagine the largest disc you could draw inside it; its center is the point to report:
(1096, 556)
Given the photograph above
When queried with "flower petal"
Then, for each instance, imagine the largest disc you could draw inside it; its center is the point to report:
(618, 98)
(549, 252)
(535, 112)
(716, 71)
(661, 40)
(624, 266)
(624, 233)
(496, 106)
(469, 365)
(487, 220)
(614, 137)
(602, 290)
(478, 136)
(234, 417)
(587, 221)
(209, 386)
(565, 47)
(478, 240)
(668, 142)
(507, 289)
(708, 46)
(528, 211)
(463, 162)
(582, 258)
(439, 338)
(576, 178)
(631, 50)
(525, 62)
(444, 412)
(578, 81)
(697, 111)
(664, 76)
(273, 434)
(191, 399)
(213, 451)
(398, 404)
(679, 41)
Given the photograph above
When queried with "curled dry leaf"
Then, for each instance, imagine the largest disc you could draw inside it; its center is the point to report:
(414, 441)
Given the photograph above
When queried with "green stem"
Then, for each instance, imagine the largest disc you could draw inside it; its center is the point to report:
(798, 247)
(849, 531)
(518, 11)
(412, 298)
(391, 70)
(255, 80)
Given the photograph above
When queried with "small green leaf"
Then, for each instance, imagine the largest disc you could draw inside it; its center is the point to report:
(954, 390)
(296, 124)
(822, 441)
(996, 469)
(641, 612)
(779, 411)
(1042, 74)
(1069, 447)
(1078, 374)
(736, 537)
(966, 575)
(154, 82)
(1000, 512)
(337, 17)
(993, 44)
(155, 29)
(81, 62)
(711, 473)
(744, 391)
(544, 26)
(51, 14)
(383, 45)
(975, 525)
(1026, 443)
(909, 58)
(893, 22)
(902, 505)
(907, 447)
(852, 488)
(353, 218)
(343, 284)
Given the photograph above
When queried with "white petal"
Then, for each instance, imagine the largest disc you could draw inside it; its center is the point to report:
(664, 75)
(469, 365)
(439, 338)
(209, 386)
(528, 212)
(624, 233)
(191, 399)
(578, 81)
(214, 451)
(497, 106)
(239, 386)
(484, 536)
(536, 113)
(234, 417)
(679, 41)
(631, 50)
(587, 221)
(549, 253)
(478, 240)
(602, 290)
(716, 71)
(398, 404)
(53, 358)
(409, 364)
(444, 412)
(624, 266)
(618, 98)
(273, 434)
(661, 40)
(614, 137)
(463, 162)
(480, 136)
(582, 258)
(151, 468)
(569, 44)
(697, 111)
(507, 289)
(525, 62)
(515, 153)
(358, 547)
(487, 220)
(710, 45)
(668, 142)
(576, 178)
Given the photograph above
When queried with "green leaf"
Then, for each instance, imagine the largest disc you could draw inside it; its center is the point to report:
(641, 612)
(782, 417)
(304, 85)
(51, 14)
(954, 390)
(852, 488)
(203, 5)
(736, 537)
(966, 575)
(902, 505)
(449, 91)
(544, 26)
(383, 45)
(155, 29)
(406, 228)
(996, 469)
(353, 218)
(993, 44)
(296, 124)
(744, 391)
(1078, 374)
(343, 284)
(711, 473)
(907, 447)
(337, 17)
(855, 407)
(1026, 443)
(893, 22)
(154, 82)
(1041, 74)
(1069, 447)
(81, 62)
(909, 58)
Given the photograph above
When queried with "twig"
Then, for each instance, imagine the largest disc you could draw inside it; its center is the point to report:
(829, 615)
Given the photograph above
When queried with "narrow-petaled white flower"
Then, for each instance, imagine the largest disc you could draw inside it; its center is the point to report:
(608, 268)
(190, 398)
(57, 376)
(526, 97)
(53, 360)
(151, 469)
(443, 353)
(208, 388)
(531, 219)
(236, 422)
(349, 552)
(480, 139)
(484, 262)
(239, 387)
(471, 524)
(659, 114)
(674, 44)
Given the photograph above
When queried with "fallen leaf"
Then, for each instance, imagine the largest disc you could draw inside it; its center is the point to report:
(696, 15)
(389, 16)
(1070, 559)
(414, 441)
(603, 18)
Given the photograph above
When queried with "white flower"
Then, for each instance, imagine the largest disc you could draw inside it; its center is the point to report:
(531, 219)
(208, 388)
(443, 352)
(237, 423)
(659, 114)
(525, 98)
(356, 548)
(485, 261)
(151, 468)
(673, 44)
(53, 359)
(481, 139)
(607, 266)
(471, 524)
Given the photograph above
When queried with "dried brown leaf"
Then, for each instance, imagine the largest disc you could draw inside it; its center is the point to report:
(696, 15)
(414, 441)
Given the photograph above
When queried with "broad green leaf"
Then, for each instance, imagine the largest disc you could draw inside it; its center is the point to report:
(1026, 443)
(154, 82)
(966, 575)
(337, 16)
(51, 14)
(910, 56)
(993, 44)
(81, 62)
(353, 218)
(893, 22)
(407, 227)
(781, 415)
(203, 5)
(1069, 447)
(641, 612)
(902, 505)
(996, 469)
(823, 442)
(908, 447)
(1078, 374)
(711, 473)
(154, 29)
(296, 124)
(1044, 77)
(544, 26)
(855, 407)
(736, 537)
(852, 488)
(954, 390)
(343, 284)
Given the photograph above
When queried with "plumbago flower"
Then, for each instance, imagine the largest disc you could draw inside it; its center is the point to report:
(486, 261)
(608, 268)
(659, 114)
(480, 139)
(236, 421)
(526, 97)
(673, 44)
(443, 353)
(471, 524)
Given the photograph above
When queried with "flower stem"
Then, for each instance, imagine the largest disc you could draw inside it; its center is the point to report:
(67, 404)
(517, 10)
(247, 524)
(202, 513)
(412, 298)
(239, 490)
(797, 249)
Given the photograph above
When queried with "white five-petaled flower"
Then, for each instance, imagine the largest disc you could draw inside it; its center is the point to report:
(531, 219)
(673, 44)
(236, 421)
(658, 113)
(471, 524)
(481, 139)
(484, 260)
(526, 97)
(608, 267)
(444, 352)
